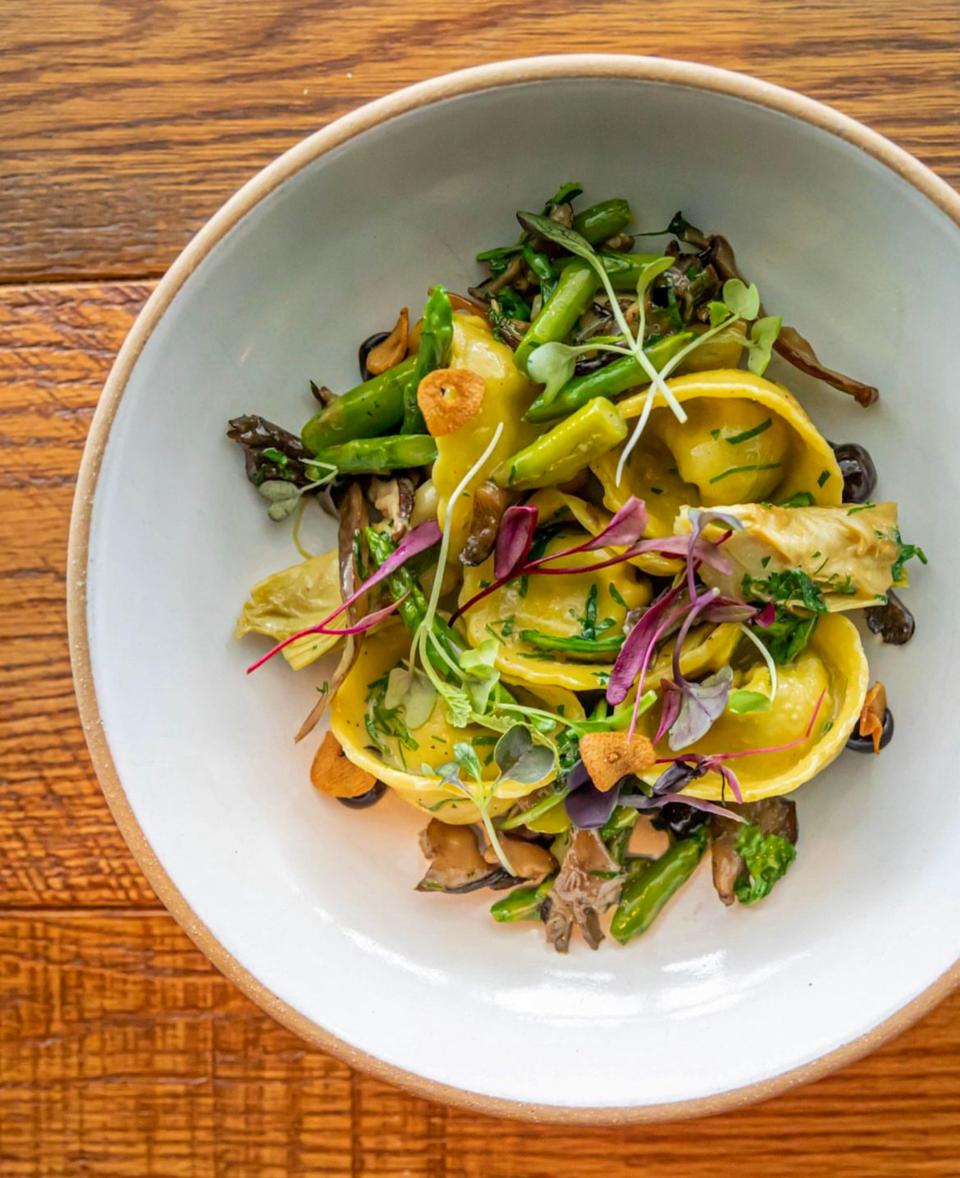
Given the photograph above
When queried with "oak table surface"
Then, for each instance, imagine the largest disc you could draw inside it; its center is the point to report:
(123, 126)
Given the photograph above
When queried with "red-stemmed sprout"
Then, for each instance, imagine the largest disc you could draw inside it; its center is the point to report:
(418, 540)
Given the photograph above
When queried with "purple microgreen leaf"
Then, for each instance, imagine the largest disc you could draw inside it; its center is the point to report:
(642, 802)
(589, 807)
(678, 775)
(730, 778)
(701, 550)
(416, 541)
(767, 616)
(727, 609)
(701, 705)
(669, 708)
(638, 647)
(623, 531)
(517, 527)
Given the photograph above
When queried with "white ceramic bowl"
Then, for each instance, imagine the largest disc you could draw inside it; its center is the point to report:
(309, 907)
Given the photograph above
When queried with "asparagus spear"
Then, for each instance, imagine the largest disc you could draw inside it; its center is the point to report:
(617, 830)
(645, 894)
(575, 288)
(624, 269)
(556, 456)
(522, 903)
(603, 220)
(378, 455)
(366, 411)
(611, 381)
(436, 336)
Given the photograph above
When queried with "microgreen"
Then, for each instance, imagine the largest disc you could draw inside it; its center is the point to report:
(742, 702)
(412, 692)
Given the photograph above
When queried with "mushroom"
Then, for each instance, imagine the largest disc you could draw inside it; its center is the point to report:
(772, 815)
(334, 774)
(390, 351)
(489, 504)
(589, 882)
(456, 860)
(528, 860)
(394, 499)
(873, 714)
(352, 517)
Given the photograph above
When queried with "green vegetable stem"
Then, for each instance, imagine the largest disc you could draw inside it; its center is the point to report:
(379, 455)
(610, 381)
(576, 646)
(367, 411)
(436, 337)
(603, 220)
(644, 896)
(624, 270)
(574, 290)
(413, 608)
(617, 830)
(522, 903)
(562, 452)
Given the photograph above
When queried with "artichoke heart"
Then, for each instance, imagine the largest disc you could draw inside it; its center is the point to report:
(291, 600)
(848, 552)
(745, 439)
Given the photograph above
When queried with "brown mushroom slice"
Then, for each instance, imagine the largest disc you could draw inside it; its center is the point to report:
(456, 860)
(772, 815)
(589, 882)
(352, 517)
(489, 504)
(528, 860)
(333, 774)
(389, 352)
(394, 499)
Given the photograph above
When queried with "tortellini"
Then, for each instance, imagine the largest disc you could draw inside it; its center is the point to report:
(745, 439)
(378, 741)
(832, 665)
(556, 606)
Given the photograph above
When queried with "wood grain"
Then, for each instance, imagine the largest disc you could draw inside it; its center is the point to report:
(127, 123)
(58, 843)
(123, 125)
(122, 1053)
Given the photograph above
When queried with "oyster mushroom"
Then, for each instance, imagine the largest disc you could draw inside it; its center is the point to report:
(394, 499)
(334, 774)
(456, 860)
(589, 882)
(529, 860)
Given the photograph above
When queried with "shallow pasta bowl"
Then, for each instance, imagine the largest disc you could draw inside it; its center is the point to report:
(309, 907)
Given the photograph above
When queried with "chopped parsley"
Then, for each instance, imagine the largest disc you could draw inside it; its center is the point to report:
(906, 552)
(822, 477)
(800, 499)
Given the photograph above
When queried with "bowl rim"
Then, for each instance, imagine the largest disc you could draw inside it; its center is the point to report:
(690, 75)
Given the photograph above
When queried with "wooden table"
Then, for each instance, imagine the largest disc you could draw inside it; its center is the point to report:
(124, 126)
